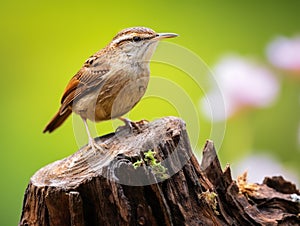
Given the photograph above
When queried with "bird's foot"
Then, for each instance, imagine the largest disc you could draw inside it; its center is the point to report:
(97, 147)
(133, 125)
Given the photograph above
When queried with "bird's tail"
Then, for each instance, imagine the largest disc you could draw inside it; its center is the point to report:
(57, 120)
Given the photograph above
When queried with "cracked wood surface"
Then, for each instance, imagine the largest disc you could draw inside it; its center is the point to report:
(90, 188)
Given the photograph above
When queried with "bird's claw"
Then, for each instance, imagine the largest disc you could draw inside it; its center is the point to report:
(97, 147)
(133, 126)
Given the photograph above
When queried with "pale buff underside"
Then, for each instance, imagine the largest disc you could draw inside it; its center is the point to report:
(117, 95)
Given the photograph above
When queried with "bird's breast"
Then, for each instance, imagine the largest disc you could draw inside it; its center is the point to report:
(118, 93)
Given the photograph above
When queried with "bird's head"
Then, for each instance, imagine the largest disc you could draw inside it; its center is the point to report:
(138, 43)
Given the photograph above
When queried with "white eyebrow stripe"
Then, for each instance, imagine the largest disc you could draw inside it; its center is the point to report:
(123, 37)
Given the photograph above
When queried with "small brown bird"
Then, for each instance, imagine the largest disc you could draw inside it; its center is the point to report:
(112, 81)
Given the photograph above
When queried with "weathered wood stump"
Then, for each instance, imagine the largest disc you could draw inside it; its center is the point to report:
(149, 176)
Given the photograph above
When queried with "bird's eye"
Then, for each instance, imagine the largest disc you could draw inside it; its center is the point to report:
(136, 39)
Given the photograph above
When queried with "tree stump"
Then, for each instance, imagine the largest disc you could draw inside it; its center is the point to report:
(149, 176)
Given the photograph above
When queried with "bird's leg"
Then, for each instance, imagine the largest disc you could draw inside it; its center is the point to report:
(130, 124)
(92, 143)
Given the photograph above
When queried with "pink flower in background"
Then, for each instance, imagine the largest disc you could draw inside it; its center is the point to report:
(243, 83)
(284, 53)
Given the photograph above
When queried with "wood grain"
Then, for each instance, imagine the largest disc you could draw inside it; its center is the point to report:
(89, 188)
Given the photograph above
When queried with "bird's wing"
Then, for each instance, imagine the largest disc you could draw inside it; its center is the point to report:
(87, 78)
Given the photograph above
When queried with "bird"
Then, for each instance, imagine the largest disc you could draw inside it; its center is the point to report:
(110, 82)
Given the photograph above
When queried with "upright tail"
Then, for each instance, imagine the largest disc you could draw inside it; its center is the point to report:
(57, 120)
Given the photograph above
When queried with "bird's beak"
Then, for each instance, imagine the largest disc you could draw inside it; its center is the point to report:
(165, 35)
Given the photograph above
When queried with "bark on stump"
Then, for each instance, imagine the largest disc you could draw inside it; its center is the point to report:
(131, 185)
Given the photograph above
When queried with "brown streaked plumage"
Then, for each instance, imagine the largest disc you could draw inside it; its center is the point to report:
(112, 81)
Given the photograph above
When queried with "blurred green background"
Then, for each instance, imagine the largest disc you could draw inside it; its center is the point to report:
(44, 43)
